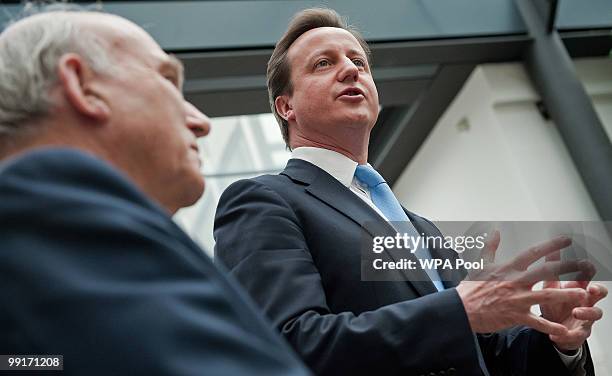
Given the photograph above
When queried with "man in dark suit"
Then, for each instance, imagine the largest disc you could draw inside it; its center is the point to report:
(99, 148)
(293, 240)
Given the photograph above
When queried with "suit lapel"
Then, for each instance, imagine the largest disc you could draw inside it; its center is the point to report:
(329, 190)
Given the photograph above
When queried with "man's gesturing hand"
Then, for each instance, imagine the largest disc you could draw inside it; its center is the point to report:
(577, 319)
(503, 294)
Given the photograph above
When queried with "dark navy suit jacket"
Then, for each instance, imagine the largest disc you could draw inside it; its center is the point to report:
(93, 270)
(293, 240)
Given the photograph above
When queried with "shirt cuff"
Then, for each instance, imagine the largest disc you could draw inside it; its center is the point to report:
(570, 361)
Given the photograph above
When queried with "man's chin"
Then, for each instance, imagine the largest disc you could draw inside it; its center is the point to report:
(198, 190)
(190, 193)
(357, 121)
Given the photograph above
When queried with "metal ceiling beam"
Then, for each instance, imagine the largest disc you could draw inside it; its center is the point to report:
(554, 76)
(384, 55)
(458, 50)
(247, 94)
(585, 43)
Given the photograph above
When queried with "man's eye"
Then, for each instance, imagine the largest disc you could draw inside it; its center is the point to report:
(359, 62)
(172, 79)
(322, 63)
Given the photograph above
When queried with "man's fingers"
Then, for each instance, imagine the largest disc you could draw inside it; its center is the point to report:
(491, 245)
(554, 284)
(556, 296)
(575, 284)
(571, 341)
(550, 271)
(582, 279)
(596, 293)
(586, 274)
(542, 325)
(528, 257)
(555, 256)
(587, 313)
(573, 338)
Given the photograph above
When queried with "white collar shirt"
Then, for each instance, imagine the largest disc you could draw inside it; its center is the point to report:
(340, 167)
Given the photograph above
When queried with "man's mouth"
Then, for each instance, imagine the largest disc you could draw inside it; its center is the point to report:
(197, 154)
(351, 92)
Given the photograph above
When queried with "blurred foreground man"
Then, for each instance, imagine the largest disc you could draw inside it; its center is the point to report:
(293, 241)
(99, 149)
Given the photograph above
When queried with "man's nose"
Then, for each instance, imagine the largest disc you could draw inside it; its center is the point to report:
(348, 70)
(197, 122)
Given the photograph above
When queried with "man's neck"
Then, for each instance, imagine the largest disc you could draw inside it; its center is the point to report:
(353, 148)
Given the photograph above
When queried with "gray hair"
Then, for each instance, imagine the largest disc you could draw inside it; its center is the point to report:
(29, 57)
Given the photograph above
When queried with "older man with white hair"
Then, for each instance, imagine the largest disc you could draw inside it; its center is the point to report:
(98, 148)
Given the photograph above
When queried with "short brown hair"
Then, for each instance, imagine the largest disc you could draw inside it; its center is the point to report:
(279, 72)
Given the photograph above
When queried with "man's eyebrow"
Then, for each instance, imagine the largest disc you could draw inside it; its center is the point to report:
(325, 51)
(172, 62)
(353, 51)
(176, 63)
(319, 51)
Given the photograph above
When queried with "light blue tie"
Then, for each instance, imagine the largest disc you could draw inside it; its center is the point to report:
(387, 203)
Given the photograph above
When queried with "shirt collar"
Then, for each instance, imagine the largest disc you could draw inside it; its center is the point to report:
(341, 167)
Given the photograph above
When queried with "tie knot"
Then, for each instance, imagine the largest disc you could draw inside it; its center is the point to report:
(368, 176)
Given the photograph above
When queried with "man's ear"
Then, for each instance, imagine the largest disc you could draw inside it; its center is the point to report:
(284, 108)
(76, 78)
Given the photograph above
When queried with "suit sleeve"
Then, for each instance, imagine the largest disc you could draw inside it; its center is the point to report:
(524, 351)
(260, 239)
(117, 289)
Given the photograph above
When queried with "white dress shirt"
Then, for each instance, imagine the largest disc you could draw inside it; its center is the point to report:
(342, 168)
(339, 166)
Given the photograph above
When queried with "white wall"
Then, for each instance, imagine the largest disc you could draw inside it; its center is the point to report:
(493, 157)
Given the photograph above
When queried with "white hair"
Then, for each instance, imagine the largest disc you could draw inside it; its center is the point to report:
(29, 57)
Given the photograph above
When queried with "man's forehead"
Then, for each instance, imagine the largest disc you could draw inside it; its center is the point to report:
(123, 33)
(128, 39)
(87, 19)
(322, 38)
